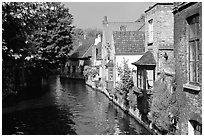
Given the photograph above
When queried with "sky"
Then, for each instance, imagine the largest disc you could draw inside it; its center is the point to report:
(90, 14)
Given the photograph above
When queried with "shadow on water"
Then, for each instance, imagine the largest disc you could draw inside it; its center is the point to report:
(36, 113)
(68, 107)
(39, 121)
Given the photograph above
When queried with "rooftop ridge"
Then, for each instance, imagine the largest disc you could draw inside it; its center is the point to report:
(151, 7)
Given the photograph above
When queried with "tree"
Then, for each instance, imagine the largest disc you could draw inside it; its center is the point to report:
(162, 106)
(126, 78)
(37, 35)
(53, 36)
(38, 31)
(17, 22)
(91, 33)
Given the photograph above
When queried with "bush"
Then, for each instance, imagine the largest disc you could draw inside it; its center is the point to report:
(132, 98)
(90, 72)
(160, 107)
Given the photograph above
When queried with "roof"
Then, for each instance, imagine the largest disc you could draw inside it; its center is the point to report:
(151, 7)
(84, 50)
(129, 42)
(141, 19)
(146, 59)
(99, 49)
(196, 117)
(179, 6)
(130, 26)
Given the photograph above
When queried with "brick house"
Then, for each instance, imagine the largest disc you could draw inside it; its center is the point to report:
(79, 58)
(120, 40)
(129, 46)
(159, 52)
(159, 34)
(97, 54)
(188, 55)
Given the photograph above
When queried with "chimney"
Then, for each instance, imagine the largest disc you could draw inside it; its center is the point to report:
(105, 20)
(98, 39)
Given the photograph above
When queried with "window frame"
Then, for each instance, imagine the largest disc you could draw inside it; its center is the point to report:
(150, 31)
(193, 40)
(142, 77)
(110, 73)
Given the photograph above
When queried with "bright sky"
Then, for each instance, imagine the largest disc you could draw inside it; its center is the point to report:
(90, 14)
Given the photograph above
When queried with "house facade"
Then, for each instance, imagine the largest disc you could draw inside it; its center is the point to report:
(81, 56)
(97, 54)
(188, 55)
(129, 46)
(158, 59)
(159, 50)
(159, 34)
(121, 40)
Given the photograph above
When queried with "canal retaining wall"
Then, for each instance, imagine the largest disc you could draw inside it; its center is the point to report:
(132, 112)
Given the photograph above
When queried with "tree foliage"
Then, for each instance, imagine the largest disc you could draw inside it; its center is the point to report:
(92, 32)
(162, 106)
(90, 72)
(40, 31)
(53, 37)
(34, 34)
(126, 80)
(132, 98)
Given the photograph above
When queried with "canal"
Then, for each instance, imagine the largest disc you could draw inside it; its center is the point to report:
(69, 107)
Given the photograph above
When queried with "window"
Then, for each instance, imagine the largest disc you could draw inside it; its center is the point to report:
(108, 56)
(150, 80)
(145, 75)
(150, 31)
(110, 73)
(68, 69)
(96, 52)
(122, 28)
(82, 69)
(73, 69)
(140, 79)
(194, 44)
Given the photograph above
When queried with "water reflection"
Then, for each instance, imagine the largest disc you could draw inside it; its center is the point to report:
(70, 107)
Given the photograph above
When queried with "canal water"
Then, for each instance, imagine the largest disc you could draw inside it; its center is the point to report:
(69, 107)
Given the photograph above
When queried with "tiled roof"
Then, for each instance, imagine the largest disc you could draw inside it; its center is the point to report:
(83, 50)
(130, 26)
(129, 42)
(146, 59)
(99, 48)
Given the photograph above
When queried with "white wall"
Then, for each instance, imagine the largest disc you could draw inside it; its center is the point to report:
(130, 58)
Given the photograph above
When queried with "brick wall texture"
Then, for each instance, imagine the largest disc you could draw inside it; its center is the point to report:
(193, 100)
(163, 35)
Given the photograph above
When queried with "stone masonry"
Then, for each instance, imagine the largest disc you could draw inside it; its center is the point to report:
(193, 94)
(162, 16)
